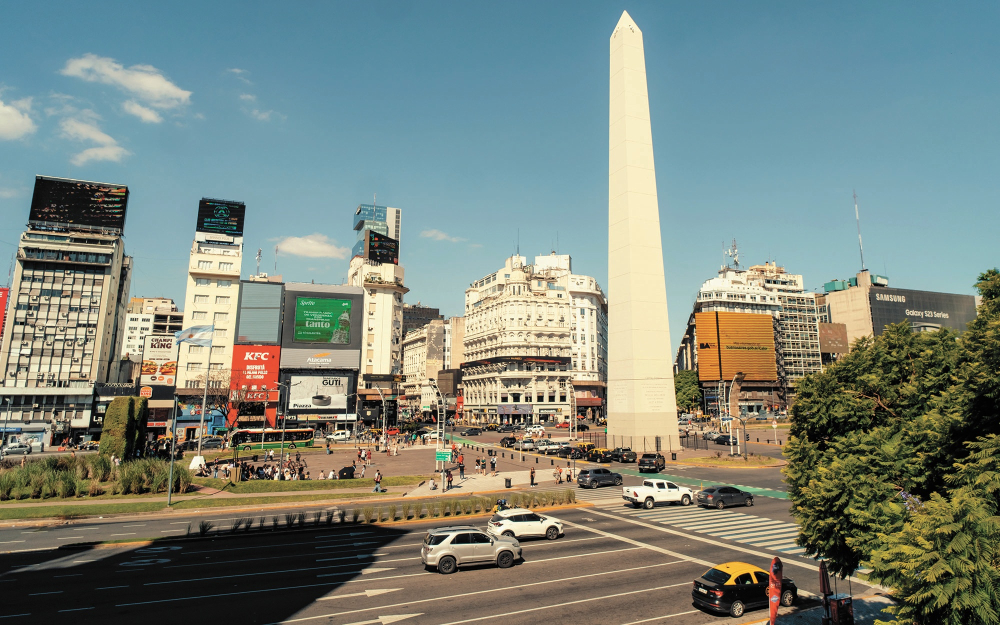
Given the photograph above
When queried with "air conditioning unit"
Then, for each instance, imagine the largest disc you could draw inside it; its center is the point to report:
(76, 360)
(64, 314)
(93, 300)
(34, 406)
(34, 298)
(30, 314)
(91, 330)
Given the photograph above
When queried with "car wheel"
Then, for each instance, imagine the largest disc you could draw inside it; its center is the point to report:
(749, 501)
(505, 560)
(594, 484)
(552, 533)
(446, 565)
(246, 448)
(649, 503)
(291, 445)
(618, 481)
(685, 501)
(720, 504)
(737, 609)
(508, 534)
(787, 598)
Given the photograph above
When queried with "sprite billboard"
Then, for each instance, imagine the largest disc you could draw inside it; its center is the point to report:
(322, 320)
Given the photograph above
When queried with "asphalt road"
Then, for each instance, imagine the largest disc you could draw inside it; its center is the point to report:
(610, 567)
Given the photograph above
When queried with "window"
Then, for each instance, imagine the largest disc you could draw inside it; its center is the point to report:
(204, 264)
(194, 366)
(201, 282)
(218, 349)
(200, 299)
(221, 333)
(225, 266)
(221, 317)
(222, 300)
(195, 349)
(215, 366)
(225, 284)
(199, 316)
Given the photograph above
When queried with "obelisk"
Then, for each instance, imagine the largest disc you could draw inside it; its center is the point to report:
(642, 408)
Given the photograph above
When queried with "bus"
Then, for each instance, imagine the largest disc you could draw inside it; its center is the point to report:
(256, 438)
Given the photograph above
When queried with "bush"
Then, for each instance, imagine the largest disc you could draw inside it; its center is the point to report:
(392, 512)
(66, 487)
(7, 483)
(369, 513)
(406, 510)
(98, 468)
(95, 489)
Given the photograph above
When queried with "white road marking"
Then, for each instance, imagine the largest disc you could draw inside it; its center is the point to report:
(76, 609)
(226, 594)
(479, 592)
(138, 525)
(660, 618)
(169, 531)
(640, 544)
(385, 620)
(70, 575)
(363, 593)
(13, 615)
(51, 592)
(10, 541)
(69, 538)
(126, 534)
(110, 587)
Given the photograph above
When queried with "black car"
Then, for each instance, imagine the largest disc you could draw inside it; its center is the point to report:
(735, 586)
(573, 453)
(725, 439)
(623, 454)
(582, 427)
(505, 428)
(471, 432)
(592, 478)
(507, 441)
(724, 496)
(599, 455)
(652, 462)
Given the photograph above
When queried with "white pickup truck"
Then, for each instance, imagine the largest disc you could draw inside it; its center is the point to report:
(654, 491)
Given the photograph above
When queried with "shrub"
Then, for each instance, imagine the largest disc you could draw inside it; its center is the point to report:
(392, 512)
(369, 513)
(436, 510)
(50, 484)
(274, 523)
(421, 511)
(289, 520)
(236, 525)
(570, 496)
(95, 489)
(355, 515)
(98, 468)
(406, 511)
(205, 527)
(66, 487)
(7, 483)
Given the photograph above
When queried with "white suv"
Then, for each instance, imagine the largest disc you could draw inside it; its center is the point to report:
(535, 430)
(521, 522)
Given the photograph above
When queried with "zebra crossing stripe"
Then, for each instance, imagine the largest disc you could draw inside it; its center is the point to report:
(773, 541)
(770, 532)
(731, 523)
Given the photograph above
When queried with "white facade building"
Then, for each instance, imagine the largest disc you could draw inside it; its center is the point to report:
(423, 358)
(384, 291)
(213, 289)
(137, 328)
(531, 331)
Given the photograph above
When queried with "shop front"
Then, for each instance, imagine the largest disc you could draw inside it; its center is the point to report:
(514, 413)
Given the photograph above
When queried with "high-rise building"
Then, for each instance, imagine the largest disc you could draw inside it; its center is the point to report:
(148, 315)
(535, 339)
(212, 294)
(417, 315)
(454, 342)
(642, 408)
(381, 220)
(423, 358)
(69, 297)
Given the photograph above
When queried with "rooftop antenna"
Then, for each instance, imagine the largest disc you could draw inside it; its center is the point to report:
(518, 241)
(734, 253)
(258, 260)
(858, 219)
(275, 260)
(10, 270)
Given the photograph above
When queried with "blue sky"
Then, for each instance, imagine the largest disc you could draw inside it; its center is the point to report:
(479, 120)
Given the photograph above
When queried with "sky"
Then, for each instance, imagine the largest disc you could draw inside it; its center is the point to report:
(487, 124)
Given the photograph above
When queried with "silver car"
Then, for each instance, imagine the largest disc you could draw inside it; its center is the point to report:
(447, 548)
(525, 444)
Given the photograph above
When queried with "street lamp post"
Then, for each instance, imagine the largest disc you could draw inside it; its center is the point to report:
(173, 442)
(6, 422)
(442, 417)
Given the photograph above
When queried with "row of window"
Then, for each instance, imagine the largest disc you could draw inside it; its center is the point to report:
(200, 315)
(221, 300)
(207, 264)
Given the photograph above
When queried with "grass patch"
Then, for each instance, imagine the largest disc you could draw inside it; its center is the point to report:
(281, 486)
(734, 461)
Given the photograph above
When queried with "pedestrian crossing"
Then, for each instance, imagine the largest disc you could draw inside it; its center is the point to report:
(728, 524)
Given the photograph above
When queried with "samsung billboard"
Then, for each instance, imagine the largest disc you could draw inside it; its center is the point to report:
(924, 310)
(322, 326)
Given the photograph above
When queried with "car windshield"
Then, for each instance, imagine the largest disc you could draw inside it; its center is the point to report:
(649, 456)
(716, 576)
(496, 518)
(708, 490)
(434, 539)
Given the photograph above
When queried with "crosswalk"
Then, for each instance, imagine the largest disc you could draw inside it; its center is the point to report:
(728, 524)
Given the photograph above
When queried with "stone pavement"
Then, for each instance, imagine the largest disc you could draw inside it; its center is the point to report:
(867, 609)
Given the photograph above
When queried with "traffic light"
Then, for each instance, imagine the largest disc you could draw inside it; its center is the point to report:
(748, 438)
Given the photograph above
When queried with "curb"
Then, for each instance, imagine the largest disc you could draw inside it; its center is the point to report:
(713, 466)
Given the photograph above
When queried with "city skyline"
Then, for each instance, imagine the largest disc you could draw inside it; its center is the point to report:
(763, 133)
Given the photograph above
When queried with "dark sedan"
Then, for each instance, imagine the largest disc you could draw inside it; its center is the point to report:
(471, 432)
(724, 496)
(623, 454)
(725, 439)
(507, 441)
(506, 427)
(582, 427)
(735, 586)
(599, 455)
(573, 453)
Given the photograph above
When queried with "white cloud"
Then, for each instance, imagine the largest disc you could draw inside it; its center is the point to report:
(14, 119)
(7, 194)
(264, 116)
(437, 235)
(143, 82)
(84, 128)
(106, 153)
(241, 74)
(312, 246)
(246, 97)
(147, 115)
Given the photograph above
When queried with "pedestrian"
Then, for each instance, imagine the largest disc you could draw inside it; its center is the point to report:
(298, 457)
(461, 471)
(328, 452)
(368, 458)
(378, 482)
(493, 467)
(448, 476)
(363, 469)
(558, 475)
(215, 472)
(532, 477)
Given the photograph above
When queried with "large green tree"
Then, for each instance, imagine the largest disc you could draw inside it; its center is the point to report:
(687, 390)
(885, 470)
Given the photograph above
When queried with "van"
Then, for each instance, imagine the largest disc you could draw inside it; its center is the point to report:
(340, 436)
(535, 430)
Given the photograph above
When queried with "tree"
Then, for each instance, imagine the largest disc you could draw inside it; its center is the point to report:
(687, 390)
(124, 428)
(893, 465)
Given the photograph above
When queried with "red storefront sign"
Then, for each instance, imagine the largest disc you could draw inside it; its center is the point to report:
(254, 378)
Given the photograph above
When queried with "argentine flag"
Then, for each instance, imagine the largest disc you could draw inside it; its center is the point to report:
(198, 335)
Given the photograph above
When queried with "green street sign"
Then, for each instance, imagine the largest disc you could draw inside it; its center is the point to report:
(442, 455)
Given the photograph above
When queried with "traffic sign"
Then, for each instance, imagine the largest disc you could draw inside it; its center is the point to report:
(774, 424)
(442, 455)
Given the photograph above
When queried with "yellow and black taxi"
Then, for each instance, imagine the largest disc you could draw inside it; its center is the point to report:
(734, 587)
(586, 447)
(599, 454)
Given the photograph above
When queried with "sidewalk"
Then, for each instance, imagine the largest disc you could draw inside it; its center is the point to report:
(867, 608)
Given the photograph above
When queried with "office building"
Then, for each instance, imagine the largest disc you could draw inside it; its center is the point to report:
(417, 315)
(454, 342)
(423, 358)
(149, 315)
(65, 326)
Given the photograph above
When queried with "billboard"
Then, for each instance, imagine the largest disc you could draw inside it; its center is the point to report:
(381, 249)
(318, 393)
(833, 338)
(159, 360)
(731, 343)
(322, 320)
(254, 369)
(221, 217)
(923, 309)
(67, 203)
(258, 319)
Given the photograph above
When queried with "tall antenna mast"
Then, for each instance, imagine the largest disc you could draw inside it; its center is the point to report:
(275, 260)
(258, 260)
(857, 218)
(518, 241)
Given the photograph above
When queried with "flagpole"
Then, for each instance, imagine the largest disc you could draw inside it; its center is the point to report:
(204, 399)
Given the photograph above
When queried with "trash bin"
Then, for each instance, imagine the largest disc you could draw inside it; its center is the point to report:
(673, 455)
(506, 482)
(550, 435)
(254, 457)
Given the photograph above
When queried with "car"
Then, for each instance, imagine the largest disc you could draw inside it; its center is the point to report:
(535, 430)
(492, 427)
(564, 425)
(17, 448)
(90, 445)
(392, 432)
(599, 454)
(725, 439)
(339, 436)
(555, 448)
(211, 443)
(573, 453)
(471, 432)
(586, 447)
(521, 522)
(592, 478)
(431, 436)
(724, 496)
(623, 454)
(733, 587)
(582, 427)
(652, 462)
(525, 444)
(657, 491)
(507, 441)
(709, 435)
(447, 548)
(505, 428)
(375, 431)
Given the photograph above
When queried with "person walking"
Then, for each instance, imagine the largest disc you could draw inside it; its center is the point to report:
(328, 452)
(532, 474)
(493, 467)
(558, 475)
(378, 482)
(448, 476)
(461, 470)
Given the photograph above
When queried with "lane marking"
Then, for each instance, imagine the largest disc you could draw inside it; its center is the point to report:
(170, 531)
(225, 594)
(480, 592)
(567, 603)
(110, 587)
(363, 593)
(76, 609)
(70, 575)
(14, 615)
(138, 525)
(639, 544)
(51, 592)
(125, 534)
(309, 568)
(10, 541)
(658, 618)
(69, 538)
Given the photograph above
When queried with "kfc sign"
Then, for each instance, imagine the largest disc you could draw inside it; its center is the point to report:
(257, 356)
(254, 379)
